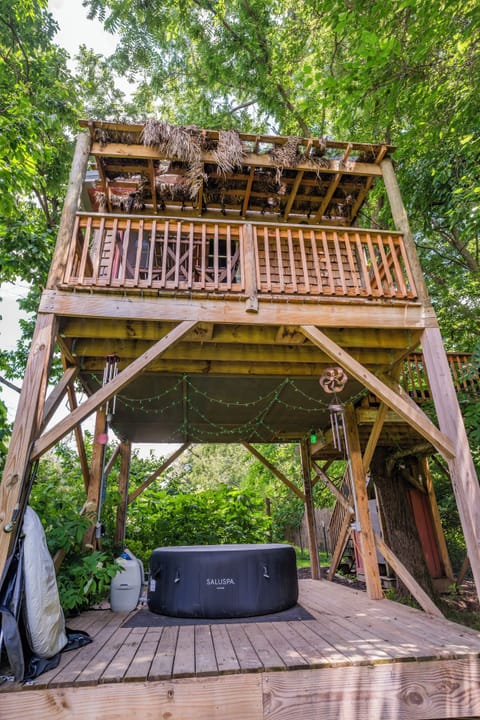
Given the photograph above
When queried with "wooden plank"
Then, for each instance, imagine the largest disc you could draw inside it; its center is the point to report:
(109, 390)
(462, 469)
(140, 664)
(259, 638)
(244, 650)
(108, 662)
(127, 349)
(290, 657)
(224, 651)
(87, 656)
(184, 659)
(235, 697)
(303, 644)
(249, 267)
(348, 314)
(404, 691)
(412, 415)
(205, 660)
(165, 656)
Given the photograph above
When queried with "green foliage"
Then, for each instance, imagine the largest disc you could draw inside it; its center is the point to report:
(206, 517)
(57, 496)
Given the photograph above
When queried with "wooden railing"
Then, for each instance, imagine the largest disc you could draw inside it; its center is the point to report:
(315, 261)
(113, 251)
(466, 377)
(117, 251)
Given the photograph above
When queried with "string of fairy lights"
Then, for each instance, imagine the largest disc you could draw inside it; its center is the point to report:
(183, 396)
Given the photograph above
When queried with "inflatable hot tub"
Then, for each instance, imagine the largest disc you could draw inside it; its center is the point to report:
(222, 581)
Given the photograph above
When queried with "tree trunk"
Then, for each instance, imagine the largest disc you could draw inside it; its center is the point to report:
(400, 531)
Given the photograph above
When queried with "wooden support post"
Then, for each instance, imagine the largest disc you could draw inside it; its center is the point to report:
(94, 491)
(367, 542)
(437, 523)
(249, 269)
(400, 218)
(123, 477)
(310, 510)
(462, 470)
(408, 580)
(70, 207)
(274, 470)
(82, 453)
(14, 487)
(151, 478)
(57, 394)
(374, 435)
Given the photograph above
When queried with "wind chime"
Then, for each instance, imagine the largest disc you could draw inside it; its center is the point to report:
(333, 380)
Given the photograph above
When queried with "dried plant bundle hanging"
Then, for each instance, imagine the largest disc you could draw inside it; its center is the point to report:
(182, 143)
(287, 155)
(229, 153)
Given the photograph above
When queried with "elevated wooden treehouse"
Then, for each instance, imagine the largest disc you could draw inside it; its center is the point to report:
(202, 285)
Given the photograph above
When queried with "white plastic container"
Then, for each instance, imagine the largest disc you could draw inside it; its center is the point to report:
(126, 586)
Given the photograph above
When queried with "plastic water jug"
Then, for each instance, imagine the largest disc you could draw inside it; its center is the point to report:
(126, 586)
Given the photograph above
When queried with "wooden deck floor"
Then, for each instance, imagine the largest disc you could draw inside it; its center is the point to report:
(356, 659)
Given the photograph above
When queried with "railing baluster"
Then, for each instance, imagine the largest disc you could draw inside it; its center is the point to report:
(316, 262)
(355, 290)
(266, 239)
(303, 256)
(281, 275)
(229, 259)
(191, 239)
(378, 290)
(362, 260)
(400, 283)
(72, 251)
(328, 263)
(291, 256)
(338, 253)
(385, 266)
(203, 261)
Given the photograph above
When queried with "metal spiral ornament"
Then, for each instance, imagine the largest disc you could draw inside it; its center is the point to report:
(333, 380)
